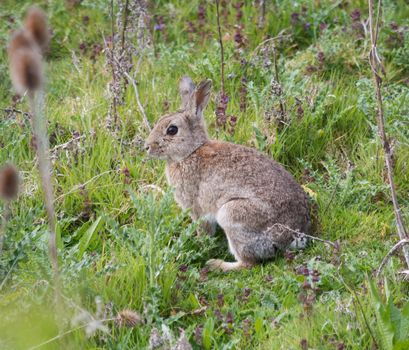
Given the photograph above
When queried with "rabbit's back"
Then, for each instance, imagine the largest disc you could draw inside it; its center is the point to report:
(219, 172)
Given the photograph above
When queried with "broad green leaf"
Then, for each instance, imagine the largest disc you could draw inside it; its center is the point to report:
(404, 323)
(258, 327)
(88, 235)
(375, 295)
(395, 319)
(207, 334)
(385, 329)
(401, 345)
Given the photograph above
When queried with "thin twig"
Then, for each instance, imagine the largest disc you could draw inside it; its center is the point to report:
(332, 197)
(124, 25)
(390, 253)
(78, 187)
(135, 87)
(259, 46)
(66, 144)
(300, 235)
(138, 101)
(377, 67)
(221, 48)
(75, 61)
(60, 335)
(8, 273)
(112, 60)
(277, 78)
(14, 110)
(362, 312)
(262, 17)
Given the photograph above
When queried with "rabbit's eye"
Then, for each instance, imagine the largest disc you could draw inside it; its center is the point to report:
(172, 130)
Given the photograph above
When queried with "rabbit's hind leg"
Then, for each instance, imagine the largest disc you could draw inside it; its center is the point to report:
(246, 244)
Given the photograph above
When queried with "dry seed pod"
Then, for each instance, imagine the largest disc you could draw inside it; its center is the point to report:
(9, 182)
(36, 24)
(128, 318)
(25, 63)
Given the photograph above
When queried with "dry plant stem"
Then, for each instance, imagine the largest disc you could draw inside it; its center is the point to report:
(112, 58)
(44, 165)
(61, 335)
(376, 66)
(401, 243)
(262, 14)
(125, 23)
(80, 186)
(138, 101)
(8, 273)
(5, 219)
(66, 144)
(332, 197)
(14, 110)
(221, 48)
(298, 234)
(277, 77)
(358, 302)
(259, 46)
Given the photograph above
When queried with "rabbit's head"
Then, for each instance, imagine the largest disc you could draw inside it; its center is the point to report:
(177, 135)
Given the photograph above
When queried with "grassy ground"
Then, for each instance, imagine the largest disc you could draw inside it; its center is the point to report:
(124, 243)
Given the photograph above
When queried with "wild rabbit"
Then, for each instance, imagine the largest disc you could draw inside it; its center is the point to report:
(251, 197)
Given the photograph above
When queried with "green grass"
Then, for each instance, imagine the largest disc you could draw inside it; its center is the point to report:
(144, 254)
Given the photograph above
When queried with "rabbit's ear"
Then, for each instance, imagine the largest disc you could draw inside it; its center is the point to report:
(186, 88)
(201, 97)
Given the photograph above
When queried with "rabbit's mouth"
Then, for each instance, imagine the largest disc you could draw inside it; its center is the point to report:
(154, 153)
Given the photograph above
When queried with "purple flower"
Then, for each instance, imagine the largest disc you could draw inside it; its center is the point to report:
(220, 300)
(394, 26)
(323, 26)
(356, 15)
(218, 314)
(321, 57)
(198, 334)
(229, 318)
(295, 17)
(183, 268)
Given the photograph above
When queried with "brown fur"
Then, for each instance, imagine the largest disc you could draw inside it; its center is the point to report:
(242, 190)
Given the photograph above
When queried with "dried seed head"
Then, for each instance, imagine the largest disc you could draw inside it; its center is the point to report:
(155, 340)
(9, 181)
(128, 318)
(25, 63)
(36, 24)
(21, 39)
(182, 343)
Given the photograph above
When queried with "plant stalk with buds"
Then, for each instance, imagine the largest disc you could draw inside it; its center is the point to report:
(26, 69)
(9, 182)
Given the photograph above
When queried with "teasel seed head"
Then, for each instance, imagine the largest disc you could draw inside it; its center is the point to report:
(9, 182)
(36, 24)
(128, 318)
(25, 62)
